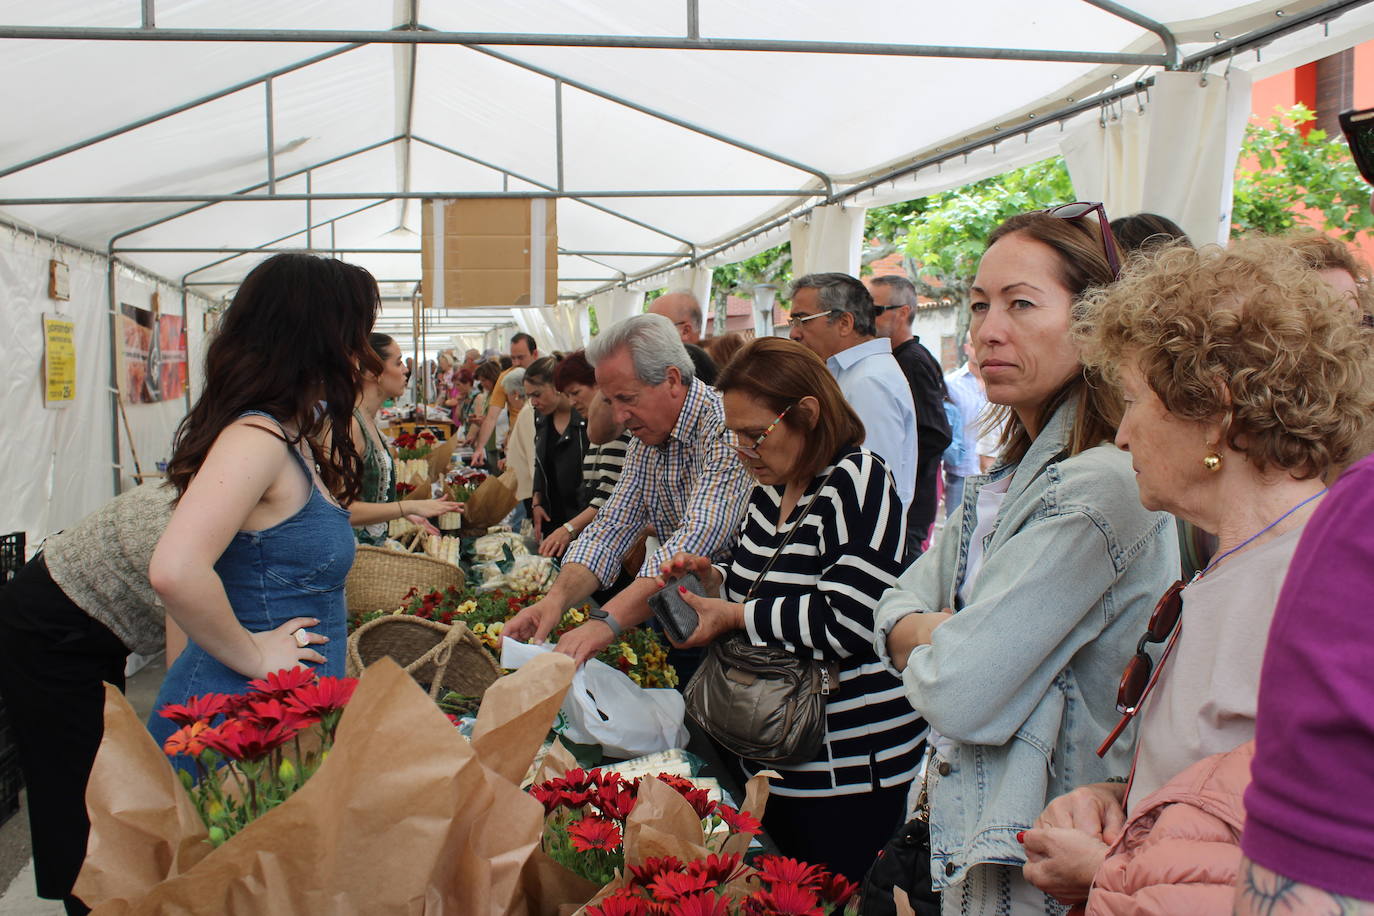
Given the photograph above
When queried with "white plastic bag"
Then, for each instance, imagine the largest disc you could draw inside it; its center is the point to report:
(607, 708)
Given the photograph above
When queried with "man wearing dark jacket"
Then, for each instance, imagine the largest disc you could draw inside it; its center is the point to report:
(894, 302)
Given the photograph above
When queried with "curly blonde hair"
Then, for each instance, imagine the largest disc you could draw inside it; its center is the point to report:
(1251, 335)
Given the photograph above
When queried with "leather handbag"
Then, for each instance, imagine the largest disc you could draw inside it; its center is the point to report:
(763, 703)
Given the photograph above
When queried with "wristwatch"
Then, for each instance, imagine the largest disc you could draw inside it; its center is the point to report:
(601, 615)
(571, 530)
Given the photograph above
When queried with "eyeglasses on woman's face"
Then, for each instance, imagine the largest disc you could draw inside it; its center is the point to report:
(750, 449)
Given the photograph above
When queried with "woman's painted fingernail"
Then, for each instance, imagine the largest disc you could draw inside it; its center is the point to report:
(1021, 837)
(682, 589)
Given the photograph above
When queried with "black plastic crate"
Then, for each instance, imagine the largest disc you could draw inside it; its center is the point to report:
(11, 777)
(11, 555)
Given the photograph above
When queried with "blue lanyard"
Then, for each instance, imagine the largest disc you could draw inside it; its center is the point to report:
(1257, 534)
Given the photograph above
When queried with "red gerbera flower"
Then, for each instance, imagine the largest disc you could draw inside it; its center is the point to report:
(241, 740)
(327, 695)
(739, 821)
(681, 783)
(614, 802)
(594, 833)
(621, 903)
(196, 709)
(270, 712)
(701, 803)
(719, 869)
(652, 867)
(671, 886)
(551, 798)
(704, 904)
(186, 740)
(782, 870)
(837, 888)
(783, 900)
(281, 683)
(576, 779)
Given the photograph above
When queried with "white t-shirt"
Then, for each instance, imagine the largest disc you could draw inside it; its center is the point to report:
(990, 499)
(1205, 699)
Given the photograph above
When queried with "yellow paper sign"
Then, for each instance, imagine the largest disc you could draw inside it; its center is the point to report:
(59, 361)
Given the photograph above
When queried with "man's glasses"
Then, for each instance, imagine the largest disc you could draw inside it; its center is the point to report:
(1135, 679)
(1083, 208)
(733, 439)
(800, 320)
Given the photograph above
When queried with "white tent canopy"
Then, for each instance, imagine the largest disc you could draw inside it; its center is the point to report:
(167, 144)
(622, 97)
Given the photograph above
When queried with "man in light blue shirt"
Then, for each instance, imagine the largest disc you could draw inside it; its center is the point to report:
(832, 315)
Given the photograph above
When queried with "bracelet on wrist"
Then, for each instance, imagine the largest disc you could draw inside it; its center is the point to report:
(401, 508)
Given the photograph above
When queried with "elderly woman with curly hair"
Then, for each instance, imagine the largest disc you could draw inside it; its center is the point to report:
(1245, 384)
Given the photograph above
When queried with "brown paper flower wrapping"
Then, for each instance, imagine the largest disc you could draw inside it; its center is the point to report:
(405, 816)
(489, 503)
(662, 823)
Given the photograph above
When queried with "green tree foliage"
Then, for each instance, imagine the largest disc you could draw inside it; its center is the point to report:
(739, 279)
(1285, 179)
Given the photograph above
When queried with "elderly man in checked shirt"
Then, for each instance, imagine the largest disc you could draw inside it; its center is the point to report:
(679, 476)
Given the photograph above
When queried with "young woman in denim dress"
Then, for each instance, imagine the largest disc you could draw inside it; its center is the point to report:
(1011, 634)
(252, 565)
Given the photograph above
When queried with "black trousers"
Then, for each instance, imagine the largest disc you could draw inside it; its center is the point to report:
(843, 833)
(53, 660)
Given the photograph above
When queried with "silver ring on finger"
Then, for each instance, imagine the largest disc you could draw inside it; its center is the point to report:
(302, 637)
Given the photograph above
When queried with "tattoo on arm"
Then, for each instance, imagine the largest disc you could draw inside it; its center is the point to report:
(1262, 892)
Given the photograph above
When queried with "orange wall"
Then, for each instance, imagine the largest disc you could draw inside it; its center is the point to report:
(1285, 90)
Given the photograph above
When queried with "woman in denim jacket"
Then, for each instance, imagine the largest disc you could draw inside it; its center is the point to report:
(1010, 637)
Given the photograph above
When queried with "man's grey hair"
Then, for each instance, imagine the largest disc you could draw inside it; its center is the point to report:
(514, 382)
(841, 293)
(694, 309)
(654, 345)
(903, 291)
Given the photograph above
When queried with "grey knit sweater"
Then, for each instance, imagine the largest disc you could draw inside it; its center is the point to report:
(101, 563)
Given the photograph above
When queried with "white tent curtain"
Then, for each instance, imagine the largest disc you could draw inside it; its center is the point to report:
(1177, 159)
(828, 240)
(617, 304)
(562, 324)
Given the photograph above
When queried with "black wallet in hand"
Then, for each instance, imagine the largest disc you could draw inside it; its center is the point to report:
(675, 614)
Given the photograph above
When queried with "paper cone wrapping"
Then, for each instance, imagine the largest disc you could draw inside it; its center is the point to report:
(439, 458)
(490, 503)
(662, 823)
(405, 816)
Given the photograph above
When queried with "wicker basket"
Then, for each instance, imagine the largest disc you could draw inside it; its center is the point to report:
(437, 654)
(381, 577)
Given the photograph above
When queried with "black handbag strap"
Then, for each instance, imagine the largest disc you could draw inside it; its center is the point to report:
(788, 539)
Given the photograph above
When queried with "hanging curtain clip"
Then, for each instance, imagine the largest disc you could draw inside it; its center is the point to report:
(1226, 74)
(1139, 106)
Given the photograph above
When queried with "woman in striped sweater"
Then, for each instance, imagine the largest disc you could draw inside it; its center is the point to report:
(789, 423)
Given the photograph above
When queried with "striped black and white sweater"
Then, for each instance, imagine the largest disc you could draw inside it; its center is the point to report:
(819, 597)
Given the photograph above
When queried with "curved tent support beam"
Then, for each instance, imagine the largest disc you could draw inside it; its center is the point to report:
(560, 80)
(652, 42)
(257, 187)
(507, 173)
(240, 252)
(1145, 22)
(175, 110)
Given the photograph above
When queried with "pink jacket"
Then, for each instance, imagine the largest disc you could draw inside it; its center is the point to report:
(1180, 851)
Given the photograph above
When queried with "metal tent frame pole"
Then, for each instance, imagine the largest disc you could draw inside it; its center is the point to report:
(412, 195)
(1252, 40)
(649, 42)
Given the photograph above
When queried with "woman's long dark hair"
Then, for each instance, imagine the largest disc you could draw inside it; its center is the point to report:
(293, 344)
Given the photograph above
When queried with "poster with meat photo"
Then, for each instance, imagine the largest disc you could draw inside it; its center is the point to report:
(154, 355)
